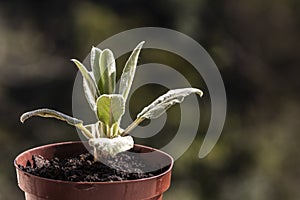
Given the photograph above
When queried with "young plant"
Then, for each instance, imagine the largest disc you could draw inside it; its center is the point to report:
(108, 103)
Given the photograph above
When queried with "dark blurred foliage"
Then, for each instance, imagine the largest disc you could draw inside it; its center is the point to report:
(254, 44)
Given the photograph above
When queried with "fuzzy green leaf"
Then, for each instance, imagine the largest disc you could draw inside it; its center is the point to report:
(90, 89)
(110, 108)
(90, 94)
(95, 56)
(45, 112)
(129, 71)
(164, 102)
(107, 72)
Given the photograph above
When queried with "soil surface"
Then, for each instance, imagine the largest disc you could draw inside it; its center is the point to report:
(83, 168)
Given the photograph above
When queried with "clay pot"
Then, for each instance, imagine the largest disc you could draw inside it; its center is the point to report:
(38, 188)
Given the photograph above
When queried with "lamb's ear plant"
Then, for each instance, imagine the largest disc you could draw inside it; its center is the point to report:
(108, 103)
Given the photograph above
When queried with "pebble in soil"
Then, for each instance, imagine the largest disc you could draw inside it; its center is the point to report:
(83, 168)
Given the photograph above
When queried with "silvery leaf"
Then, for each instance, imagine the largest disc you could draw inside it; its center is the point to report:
(107, 80)
(90, 94)
(111, 147)
(129, 71)
(164, 102)
(90, 89)
(45, 112)
(95, 56)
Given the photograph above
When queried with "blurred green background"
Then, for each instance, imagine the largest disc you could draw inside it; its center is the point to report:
(254, 43)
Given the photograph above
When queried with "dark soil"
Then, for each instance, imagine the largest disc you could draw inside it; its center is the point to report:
(83, 168)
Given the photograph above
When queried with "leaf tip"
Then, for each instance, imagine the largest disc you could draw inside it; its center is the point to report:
(23, 118)
(107, 51)
(200, 93)
(73, 60)
(140, 44)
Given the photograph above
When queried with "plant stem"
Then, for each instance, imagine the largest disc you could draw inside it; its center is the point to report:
(84, 130)
(95, 154)
(88, 134)
(134, 124)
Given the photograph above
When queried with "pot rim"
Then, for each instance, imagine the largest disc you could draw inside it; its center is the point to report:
(92, 183)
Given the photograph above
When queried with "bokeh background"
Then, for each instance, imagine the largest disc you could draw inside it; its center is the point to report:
(253, 42)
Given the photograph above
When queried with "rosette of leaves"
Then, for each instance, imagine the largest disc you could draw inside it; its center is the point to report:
(108, 103)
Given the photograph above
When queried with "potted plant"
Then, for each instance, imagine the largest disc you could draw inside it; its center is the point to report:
(108, 165)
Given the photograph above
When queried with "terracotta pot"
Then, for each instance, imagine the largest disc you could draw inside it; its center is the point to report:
(38, 188)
